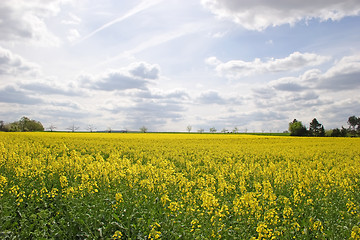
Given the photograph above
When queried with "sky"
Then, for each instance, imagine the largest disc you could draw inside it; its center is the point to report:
(169, 64)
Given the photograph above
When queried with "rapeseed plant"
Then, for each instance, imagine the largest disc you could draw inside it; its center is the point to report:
(178, 186)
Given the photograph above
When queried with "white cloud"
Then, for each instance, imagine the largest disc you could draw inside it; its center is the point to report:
(211, 97)
(290, 84)
(214, 97)
(176, 94)
(258, 15)
(311, 75)
(153, 114)
(178, 36)
(219, 34)
(344, 75)
(113, 80)
(12, 64)
(24, 20)
(153, 108)
(338, 112)
(48, 87)
(72, 20)
(144, 70)
(135, 76)
(308, 96)
(10, 94)
(73, 35)
(237, 68)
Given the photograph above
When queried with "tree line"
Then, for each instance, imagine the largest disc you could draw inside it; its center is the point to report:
(296, 128)
(316, 129)
(25, 124)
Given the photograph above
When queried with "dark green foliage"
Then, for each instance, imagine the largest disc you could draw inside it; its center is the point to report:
(354, 125)
(316, 129)
(322, 132)
(296, 128)
(25, 124)
(336, 132)
(2, 126)
(343, 132)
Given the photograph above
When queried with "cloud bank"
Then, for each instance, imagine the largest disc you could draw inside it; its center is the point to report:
(13, 64)
(261, 14)
(137, 75)
(237, 68)
(25, 20)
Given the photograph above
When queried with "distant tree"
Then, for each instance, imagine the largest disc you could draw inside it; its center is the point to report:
(188, 128)
(296, 128)
(91, 127)
(27, 125)
(52, 127)
(143, 129)
(201, 130)
(235, 130)
(13, 127)
(24, 124)
(336, 133)
(109, 129)
(354, 125)
(353, 122)
(2, 126)
(322, 131)
(35, 126)
(224, 130)
(213, 130)
(316, 129)
(343, 131)
(6, 127)
(73, 128)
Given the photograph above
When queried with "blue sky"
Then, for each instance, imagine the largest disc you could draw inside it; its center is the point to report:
(254, 65)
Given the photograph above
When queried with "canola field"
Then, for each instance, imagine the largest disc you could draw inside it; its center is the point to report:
(178, 186)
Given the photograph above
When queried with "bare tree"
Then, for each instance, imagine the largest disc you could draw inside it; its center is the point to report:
(73, 128)
(143, 129)
(91, 127)
(224, 130)
(235, 130)
(52, 127)
(201, 130)
(213, 130)
(188, 128)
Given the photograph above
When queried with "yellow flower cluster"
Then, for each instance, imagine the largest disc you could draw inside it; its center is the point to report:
(192, 185)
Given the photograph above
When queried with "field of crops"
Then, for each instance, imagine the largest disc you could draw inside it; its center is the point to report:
(178, 186)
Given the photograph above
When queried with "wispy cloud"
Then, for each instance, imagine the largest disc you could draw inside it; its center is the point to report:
(145, 4)
(183, 30)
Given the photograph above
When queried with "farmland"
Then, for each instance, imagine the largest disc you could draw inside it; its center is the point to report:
(178, 186)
